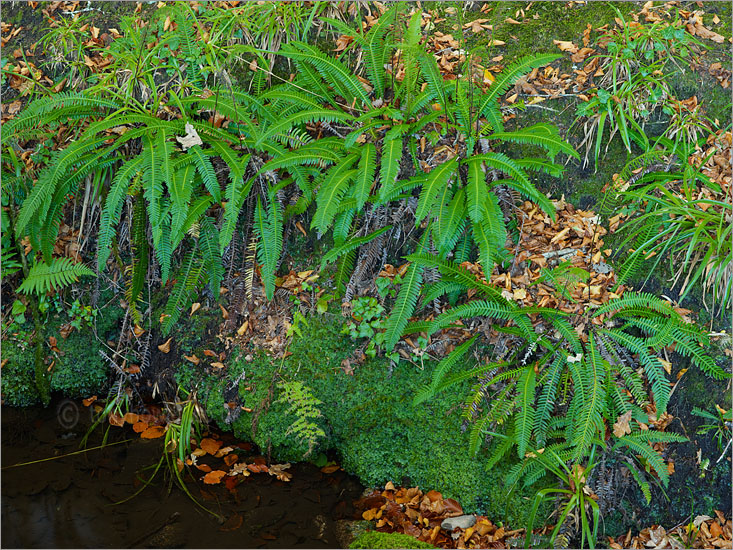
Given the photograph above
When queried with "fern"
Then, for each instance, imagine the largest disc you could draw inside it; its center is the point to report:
(351, 245)
(304, 406)
(442, 368)
(268, 228)
(437, 179)
(404, 306)
(507, 78)
(188, 280)
(59, 273)
(542, 135)
(335, 185)
(639, 443)
(526, 417)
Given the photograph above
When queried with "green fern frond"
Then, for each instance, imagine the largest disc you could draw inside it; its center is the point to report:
(542, 135)
(525, 418)
(269, 228)
(447, 363)
(506, 79)
(331, 69)
(212, 262)
(188, 281)
(59, 273)
(351, 245)
(404, 306)
(336, 183)
(437, 179)
(365, 174)
(113, 208)
(390, 166)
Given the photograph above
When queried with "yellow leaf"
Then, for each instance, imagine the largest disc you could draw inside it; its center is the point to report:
(488, 77)
(667, 366)
(195, 307)
(621, 426)
(241, 330)
(520, 294)
(165, 347)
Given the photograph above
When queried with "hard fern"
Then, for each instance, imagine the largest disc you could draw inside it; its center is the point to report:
(60, 272)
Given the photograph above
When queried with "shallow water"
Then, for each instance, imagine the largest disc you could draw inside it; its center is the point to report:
(69, 501)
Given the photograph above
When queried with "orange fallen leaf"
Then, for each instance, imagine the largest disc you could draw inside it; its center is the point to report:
(89, 400)
(166, 346)
(230, 459)
(140, 427)
(217, 365)
(203, 467)
(153, 432)
(138, 331)
(195, 360)
(131, 418)
(330, 469)
(210, 445)
(210, 353)
(214, 477)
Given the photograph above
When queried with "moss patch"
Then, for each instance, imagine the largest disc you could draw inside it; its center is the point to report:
(374, 539)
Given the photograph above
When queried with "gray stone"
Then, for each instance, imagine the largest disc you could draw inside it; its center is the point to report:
(463, 522)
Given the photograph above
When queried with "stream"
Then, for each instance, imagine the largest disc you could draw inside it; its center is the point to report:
(69, 502)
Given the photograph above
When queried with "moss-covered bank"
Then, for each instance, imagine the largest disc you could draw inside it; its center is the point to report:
(367, 417)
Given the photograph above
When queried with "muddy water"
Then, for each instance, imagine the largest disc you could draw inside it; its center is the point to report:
(70, 501)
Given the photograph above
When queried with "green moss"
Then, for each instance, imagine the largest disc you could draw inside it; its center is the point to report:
(18, 379)
(368, 418)
(78, 370)
(374, 539)
(536, 35)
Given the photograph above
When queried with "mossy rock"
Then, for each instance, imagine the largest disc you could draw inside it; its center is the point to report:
(18, 378)
(368, 418)
(374, 539)
(78, 368)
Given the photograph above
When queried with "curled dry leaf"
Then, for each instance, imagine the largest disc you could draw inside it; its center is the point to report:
(89, 400)
(138, 331)
(195, 307)
(223, 452)
(210, 353)
(193, 359)
(278, 470)
(165, 347)
(116, 420)
(240, 469)
(241, 330)
(218, 365)
(214, 477)
(621, 426)
(131, 418)
(191, 138)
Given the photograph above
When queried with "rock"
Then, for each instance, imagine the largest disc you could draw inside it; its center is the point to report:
(348, 530)
(463, 522)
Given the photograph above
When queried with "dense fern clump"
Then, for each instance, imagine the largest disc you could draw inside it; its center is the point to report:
(558, 389)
